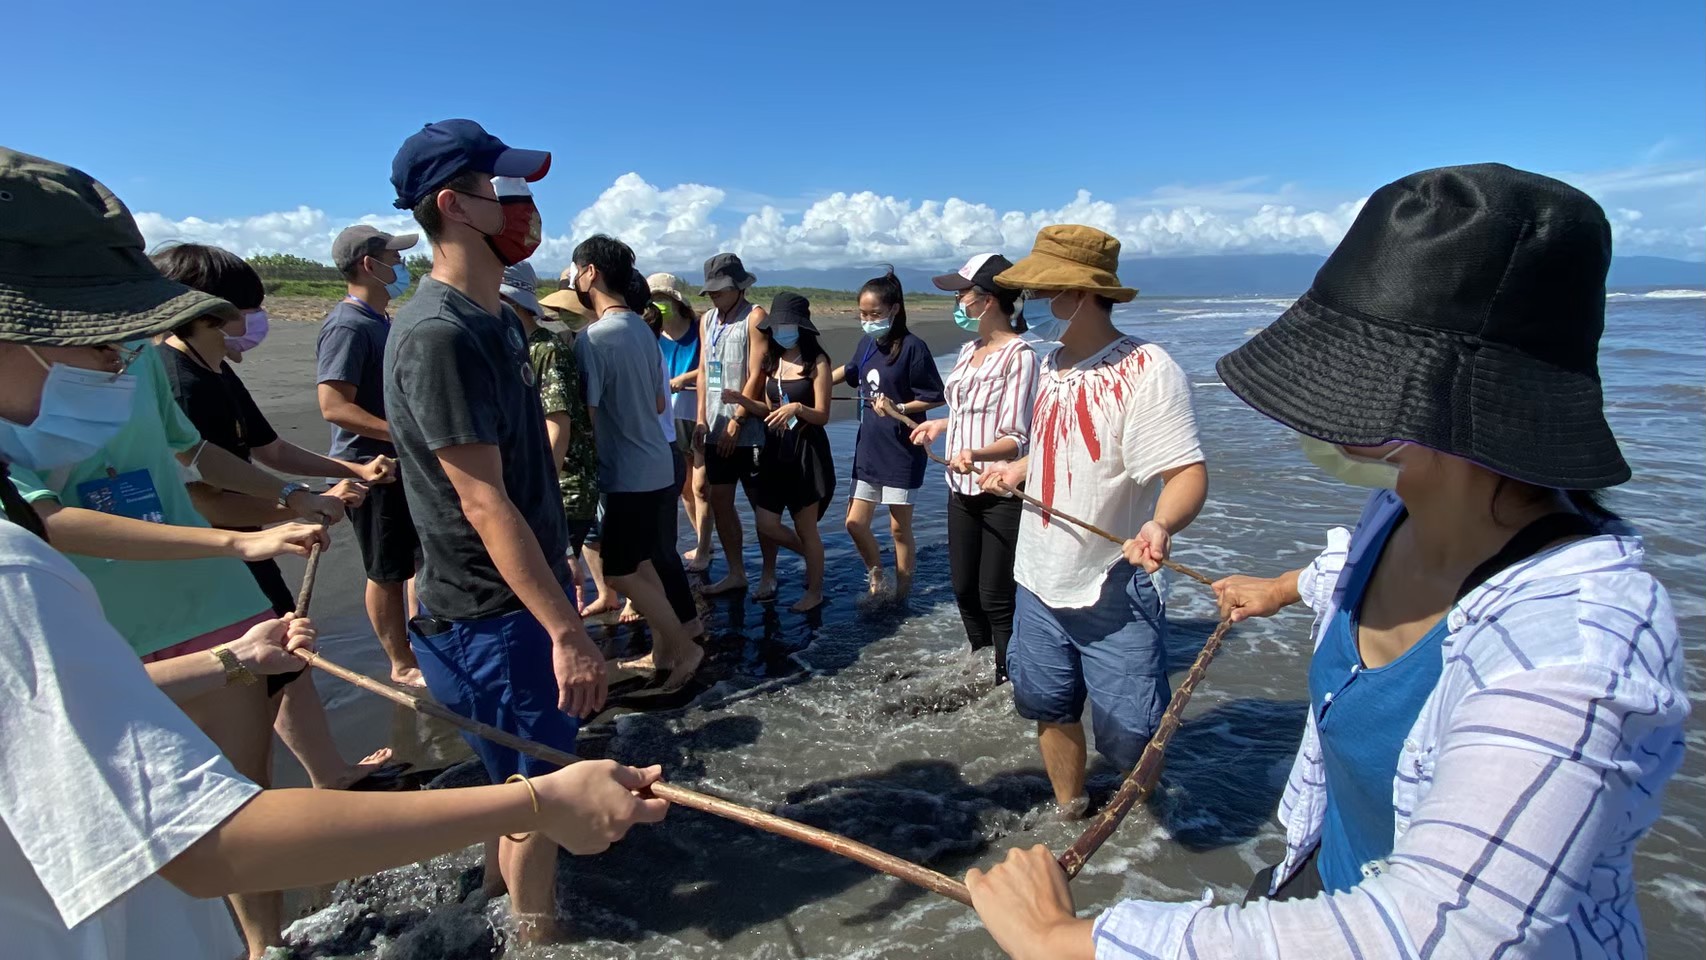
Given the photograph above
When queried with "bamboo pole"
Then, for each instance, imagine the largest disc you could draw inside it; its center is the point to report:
(716, 806)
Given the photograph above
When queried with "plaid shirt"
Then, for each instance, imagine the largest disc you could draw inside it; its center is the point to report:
(1533, 769)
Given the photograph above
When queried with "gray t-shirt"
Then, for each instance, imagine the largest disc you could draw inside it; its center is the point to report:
(351, 349)
(624, 381)
(454, 375)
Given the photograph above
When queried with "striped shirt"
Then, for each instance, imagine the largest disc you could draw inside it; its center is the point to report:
(1532, 771)
(990, 402)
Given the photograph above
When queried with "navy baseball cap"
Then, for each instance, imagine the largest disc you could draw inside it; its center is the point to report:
(444, 149)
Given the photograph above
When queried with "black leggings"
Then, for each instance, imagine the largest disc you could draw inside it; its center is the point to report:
(982, 532)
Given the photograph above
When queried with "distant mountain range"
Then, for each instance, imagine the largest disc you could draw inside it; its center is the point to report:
(1281, 274)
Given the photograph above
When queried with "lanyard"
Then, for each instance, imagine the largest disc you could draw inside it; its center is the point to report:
(230, 399)
(366, 308)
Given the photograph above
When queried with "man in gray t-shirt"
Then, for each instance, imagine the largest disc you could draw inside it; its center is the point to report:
(626, 394)
(618, 357)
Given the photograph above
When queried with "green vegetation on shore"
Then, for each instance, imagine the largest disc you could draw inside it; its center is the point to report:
(287, 275)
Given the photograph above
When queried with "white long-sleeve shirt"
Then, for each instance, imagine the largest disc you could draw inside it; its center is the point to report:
(988, 403)
(1533, 769)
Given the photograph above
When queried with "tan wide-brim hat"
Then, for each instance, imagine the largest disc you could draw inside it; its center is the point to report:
(671, 285)
(565, 301)
(1070, 257)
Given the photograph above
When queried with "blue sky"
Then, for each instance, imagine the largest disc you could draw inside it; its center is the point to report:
(816, 134)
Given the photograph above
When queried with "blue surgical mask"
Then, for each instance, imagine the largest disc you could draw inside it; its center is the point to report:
(964, 320)
(1378, 474)
(876, 328)
(400, 280)
(81, 411)
(1040, 319)
(786, 335)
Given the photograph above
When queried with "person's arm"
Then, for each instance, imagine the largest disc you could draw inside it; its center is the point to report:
(225, 470)
(758, 408)
(557, 432)
(283, 839)
(287, 457)
(261, 650)
(1014, 406)
(701, 400)
(338, 408)
(822, 387)
(475, 471)
(96, 534)
(1183, 493)
(1004, 476)
(223, 508)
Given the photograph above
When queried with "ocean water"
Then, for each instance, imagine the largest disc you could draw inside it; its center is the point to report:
(874, 721)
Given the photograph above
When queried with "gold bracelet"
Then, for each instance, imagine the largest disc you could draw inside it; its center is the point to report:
(531, 793)
(235, 671)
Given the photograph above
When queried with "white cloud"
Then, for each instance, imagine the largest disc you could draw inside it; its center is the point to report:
(1654, 208)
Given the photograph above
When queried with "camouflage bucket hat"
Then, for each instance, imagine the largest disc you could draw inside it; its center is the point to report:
(73, 271)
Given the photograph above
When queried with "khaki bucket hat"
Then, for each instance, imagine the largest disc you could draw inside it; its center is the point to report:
(1070, 257)
(73, 270)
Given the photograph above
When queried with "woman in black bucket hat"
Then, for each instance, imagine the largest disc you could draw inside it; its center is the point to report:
(1496, 695)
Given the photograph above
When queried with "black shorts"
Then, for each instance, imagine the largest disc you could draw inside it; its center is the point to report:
(737, 467)
(634, 525)
(390, 548)
(582, 533)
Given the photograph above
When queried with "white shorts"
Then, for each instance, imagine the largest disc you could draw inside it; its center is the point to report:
(892, 496)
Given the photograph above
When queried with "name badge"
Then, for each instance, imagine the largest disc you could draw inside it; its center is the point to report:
(129, 494)
(714, 380)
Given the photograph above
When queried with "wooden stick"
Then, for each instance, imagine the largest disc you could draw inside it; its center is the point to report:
(716, 806)
(1141, 781)
(1045, 508)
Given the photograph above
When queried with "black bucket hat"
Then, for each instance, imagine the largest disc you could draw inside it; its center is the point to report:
(1461, 312)
(789, 307)
(725, 271)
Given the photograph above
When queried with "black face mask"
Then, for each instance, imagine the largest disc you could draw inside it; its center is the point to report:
(584, 297)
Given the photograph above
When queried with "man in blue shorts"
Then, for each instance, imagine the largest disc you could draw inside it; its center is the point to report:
(497, 638)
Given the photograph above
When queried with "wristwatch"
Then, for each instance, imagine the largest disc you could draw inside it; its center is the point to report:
(235, 671)
(293, 487)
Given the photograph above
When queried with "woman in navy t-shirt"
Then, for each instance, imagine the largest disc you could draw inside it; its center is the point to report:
(887, 468)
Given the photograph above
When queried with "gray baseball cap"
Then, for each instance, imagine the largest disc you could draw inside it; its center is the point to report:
(364, 240)
(521, 285)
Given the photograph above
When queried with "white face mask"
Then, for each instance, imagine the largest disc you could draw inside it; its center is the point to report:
(80, 411)
(1378, 474)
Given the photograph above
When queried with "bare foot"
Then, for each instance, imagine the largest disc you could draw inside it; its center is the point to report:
(698, 564)
(536, 928)
(361, 768)
(598, 608)
(732, 583)
(877, 579)
(1077, 809)
(645, 664)
(629, 614)
(690, 555)
(810, 600)
(766, 589)
(408, 677)
(902, 585)
(682, 670)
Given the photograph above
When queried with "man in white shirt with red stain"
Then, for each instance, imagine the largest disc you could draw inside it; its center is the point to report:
(1114, 443)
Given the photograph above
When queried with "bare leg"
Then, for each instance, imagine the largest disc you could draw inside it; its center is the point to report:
(303, 727)
(859, 514)
(388, 606)
(492, 885)
(1064, 758)
(722, 499)
(772, 535)
(905, 551)
(606, 601)
(577, 577)
(811, 548)
(700, 556)
(239, 721)
(530, 870)
(672, 649)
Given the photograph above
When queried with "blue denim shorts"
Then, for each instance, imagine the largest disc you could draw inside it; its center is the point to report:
(1112, 652)
(498, 671)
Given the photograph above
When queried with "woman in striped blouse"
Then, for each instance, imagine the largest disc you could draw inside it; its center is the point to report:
(991, 393)
(1496, 698)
